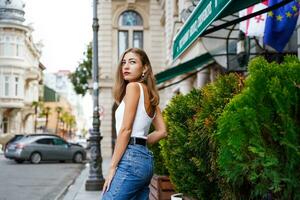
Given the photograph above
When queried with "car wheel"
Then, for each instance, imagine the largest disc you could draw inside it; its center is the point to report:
(78, 158)
(35, 158)
(19, 161)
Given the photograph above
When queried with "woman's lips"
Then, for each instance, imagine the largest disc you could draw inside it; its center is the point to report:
(126, 73)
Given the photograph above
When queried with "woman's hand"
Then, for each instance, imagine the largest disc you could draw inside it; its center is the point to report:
(108, 180)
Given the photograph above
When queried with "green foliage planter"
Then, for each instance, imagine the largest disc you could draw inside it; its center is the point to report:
(160, 186)
(259, 133)
(159, 164)
(190, 150)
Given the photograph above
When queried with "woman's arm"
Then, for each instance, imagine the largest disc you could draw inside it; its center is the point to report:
(160, 128)
(131, 102)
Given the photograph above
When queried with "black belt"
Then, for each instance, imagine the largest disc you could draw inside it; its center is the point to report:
(136, 140)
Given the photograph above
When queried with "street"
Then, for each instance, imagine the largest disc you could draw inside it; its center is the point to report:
(35, 182)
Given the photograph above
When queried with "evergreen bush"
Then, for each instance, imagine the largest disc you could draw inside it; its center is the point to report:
(159, 164)
(190, 151)
(258, 133)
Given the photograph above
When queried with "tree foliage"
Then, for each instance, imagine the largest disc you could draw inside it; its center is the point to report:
(190, 150)
(83, 73)
(238, 139)
(258, 133)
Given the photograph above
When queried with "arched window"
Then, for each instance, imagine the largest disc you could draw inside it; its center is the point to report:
(130, 31)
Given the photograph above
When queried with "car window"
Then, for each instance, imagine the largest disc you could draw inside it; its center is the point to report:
(45, 141)
(16, 138)
(59, 142)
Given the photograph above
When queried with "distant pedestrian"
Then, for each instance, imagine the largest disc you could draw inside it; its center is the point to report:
(131, 166)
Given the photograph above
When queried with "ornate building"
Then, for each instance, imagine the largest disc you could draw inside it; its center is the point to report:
(20, 70)
(181, 59)
(124, 24)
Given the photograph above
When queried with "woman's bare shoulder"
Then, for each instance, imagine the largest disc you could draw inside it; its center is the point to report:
(132, 91)
(132, 86)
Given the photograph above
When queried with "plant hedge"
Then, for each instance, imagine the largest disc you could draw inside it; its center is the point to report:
(159, 164)
(190, 151)
(258, 133)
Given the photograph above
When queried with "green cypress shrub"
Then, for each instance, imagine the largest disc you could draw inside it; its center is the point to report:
(176, 153)
(258, 133)
(190, 150)
(159, 163)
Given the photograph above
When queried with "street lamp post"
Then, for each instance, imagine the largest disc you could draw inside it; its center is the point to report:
(95, 179)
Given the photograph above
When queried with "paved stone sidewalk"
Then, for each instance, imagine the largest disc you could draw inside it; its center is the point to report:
(77, 191)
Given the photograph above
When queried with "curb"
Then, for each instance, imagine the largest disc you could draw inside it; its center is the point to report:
(65, 189)
(62, 193)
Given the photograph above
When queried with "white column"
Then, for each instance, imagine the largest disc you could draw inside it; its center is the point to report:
(15, 122)
(186, 86)
(202, 78)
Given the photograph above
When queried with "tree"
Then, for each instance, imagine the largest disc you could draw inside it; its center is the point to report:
(68, 121)
(36, 105)
(58, 109)
(83, 73)
(45, 113)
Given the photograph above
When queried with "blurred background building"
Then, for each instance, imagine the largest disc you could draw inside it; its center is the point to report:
(68, 100)
(20, 70)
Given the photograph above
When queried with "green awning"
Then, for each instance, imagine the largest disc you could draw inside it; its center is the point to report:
(205, 13)
(236, 6)
(202, 17)
(194, 64)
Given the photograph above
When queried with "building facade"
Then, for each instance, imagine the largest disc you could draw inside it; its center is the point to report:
(60, 83)
(154, 26)
(20, 70)
(125, 24)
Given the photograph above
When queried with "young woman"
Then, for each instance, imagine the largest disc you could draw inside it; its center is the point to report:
(131, 166)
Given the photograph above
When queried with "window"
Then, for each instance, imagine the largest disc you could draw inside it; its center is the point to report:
(59, 142)
(130, 18)
(47, 141)
(8, 47)
(5, 124)
(11, 46)
(6, 85)
(19, 50)
(123, 41)
(19, 47)
(16, 86)
(138, 39)
(130, 31)
(1, 46)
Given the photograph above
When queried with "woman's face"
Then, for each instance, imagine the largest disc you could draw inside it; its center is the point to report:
(132, 67)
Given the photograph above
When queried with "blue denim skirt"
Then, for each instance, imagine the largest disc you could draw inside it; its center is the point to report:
(133, 175)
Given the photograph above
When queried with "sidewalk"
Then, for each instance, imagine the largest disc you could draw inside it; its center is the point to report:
(77, 191)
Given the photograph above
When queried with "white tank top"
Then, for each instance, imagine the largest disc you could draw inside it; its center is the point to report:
(142, 120)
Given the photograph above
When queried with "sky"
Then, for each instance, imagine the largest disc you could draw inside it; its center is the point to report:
(65, 29)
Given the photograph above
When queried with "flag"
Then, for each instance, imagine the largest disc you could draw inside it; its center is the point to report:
(280, 24)
(254, 26)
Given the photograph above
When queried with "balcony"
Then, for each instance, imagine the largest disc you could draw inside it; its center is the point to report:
(32, 74)
(9, 102)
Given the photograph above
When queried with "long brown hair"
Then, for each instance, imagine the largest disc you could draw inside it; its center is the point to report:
(148, 80)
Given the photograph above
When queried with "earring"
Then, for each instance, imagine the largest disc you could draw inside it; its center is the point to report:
(143, 75)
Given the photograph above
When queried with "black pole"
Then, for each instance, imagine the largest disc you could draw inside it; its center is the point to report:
(95, 179)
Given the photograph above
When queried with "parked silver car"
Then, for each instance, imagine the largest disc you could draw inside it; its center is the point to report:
(44, 148)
